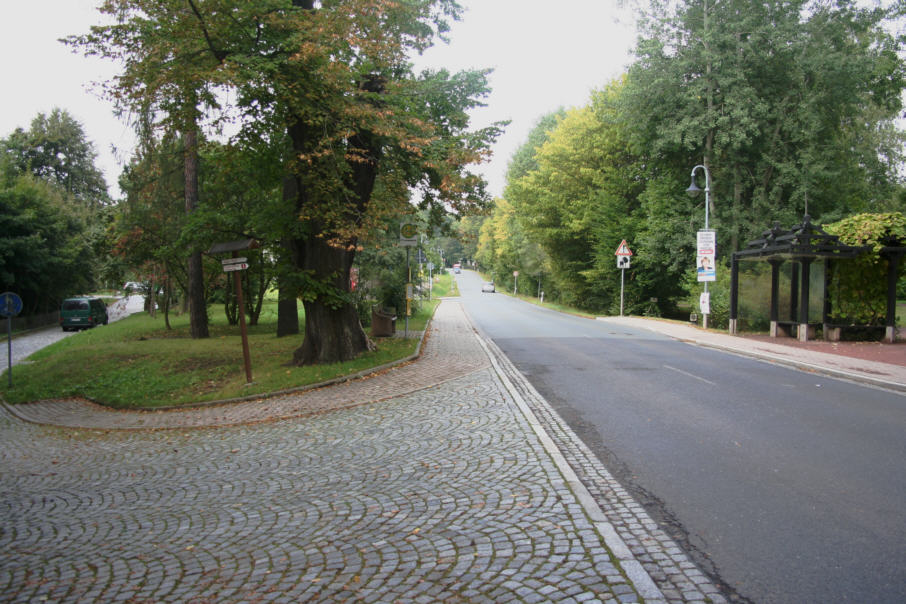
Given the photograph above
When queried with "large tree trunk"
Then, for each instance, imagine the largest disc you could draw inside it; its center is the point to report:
(333, 332)
(287, 311)
(198, 313)
(288, 294)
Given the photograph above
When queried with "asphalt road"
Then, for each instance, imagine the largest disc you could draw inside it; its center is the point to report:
(783, 485)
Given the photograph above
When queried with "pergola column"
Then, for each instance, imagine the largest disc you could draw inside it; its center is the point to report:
(831, 334)
(775, 295)
(890, 335)
(734, 293)
(803, 302)
(794, 292)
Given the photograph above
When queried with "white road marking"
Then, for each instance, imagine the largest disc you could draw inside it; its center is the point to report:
(692, 375)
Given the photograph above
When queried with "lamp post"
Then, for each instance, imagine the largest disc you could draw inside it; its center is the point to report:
(693, 191)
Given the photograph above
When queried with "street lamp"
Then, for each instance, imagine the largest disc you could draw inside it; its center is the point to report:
(693, 189)
(706, 241)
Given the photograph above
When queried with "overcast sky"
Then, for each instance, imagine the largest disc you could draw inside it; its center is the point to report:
(545, 55)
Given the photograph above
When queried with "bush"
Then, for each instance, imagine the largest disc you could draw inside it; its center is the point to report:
(859, 286)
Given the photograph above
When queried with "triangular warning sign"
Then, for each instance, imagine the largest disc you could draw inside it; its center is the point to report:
(624, 250)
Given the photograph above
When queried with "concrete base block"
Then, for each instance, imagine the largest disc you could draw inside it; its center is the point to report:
(805, 332)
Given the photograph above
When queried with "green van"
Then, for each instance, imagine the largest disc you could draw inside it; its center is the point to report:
(82, 313)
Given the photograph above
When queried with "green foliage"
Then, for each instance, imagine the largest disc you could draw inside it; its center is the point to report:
(791, 104)
(45, 254)
(503, 248)
(382, 280)
(327, 94)
(574, 193)
(53, 213)
(859, 286)
(55, 149)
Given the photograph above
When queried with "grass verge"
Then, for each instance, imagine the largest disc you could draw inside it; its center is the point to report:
(445, 286)
(137, 363)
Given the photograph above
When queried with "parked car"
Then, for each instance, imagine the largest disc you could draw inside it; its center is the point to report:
(133, 287)
(487, 287)
(82, 313)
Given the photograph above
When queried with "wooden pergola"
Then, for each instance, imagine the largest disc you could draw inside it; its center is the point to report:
(802, 245)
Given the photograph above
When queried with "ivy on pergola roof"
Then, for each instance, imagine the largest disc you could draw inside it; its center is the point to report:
(805, 240)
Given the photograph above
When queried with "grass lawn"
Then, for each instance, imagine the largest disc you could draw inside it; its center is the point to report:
(138, 363)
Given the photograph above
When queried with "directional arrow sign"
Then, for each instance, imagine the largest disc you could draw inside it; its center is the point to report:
(238, 266)
(10, 304)
(226, 261)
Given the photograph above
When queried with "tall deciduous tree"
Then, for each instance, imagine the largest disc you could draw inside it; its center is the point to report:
(335, 77)
(786, 102)
(364, 131)
(56, 149)
(53, 211)
(170, 77)
(578, 198)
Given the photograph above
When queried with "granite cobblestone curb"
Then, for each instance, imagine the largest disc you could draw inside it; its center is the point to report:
(674, 575)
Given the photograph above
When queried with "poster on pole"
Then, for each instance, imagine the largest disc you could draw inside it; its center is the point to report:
(704, 303)
(707, 251)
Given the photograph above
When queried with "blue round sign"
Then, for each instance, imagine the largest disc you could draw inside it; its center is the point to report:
(10, 304)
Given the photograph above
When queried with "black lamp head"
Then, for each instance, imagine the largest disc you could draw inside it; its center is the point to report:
(693, 189)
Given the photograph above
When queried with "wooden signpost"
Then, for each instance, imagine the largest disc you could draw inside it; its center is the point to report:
(235, 264)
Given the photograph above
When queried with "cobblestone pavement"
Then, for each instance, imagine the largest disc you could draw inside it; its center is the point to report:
(462, 485)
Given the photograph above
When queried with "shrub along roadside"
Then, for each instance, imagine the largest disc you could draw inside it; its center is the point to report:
(137, 364)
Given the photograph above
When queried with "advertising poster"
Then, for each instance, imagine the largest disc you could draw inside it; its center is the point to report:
(705, 261)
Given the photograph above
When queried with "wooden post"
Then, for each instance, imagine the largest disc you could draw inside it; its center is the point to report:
(246, 356)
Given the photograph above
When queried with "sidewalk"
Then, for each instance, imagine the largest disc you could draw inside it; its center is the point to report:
(835, 360)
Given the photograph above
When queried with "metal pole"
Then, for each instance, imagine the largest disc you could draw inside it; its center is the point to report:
(707, 207)
(9, 347)
(622, 276)
(408, 281)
